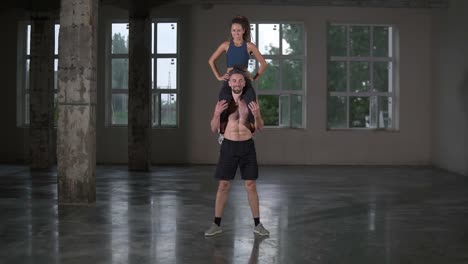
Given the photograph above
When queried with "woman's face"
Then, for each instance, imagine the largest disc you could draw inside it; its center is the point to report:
(237, 31)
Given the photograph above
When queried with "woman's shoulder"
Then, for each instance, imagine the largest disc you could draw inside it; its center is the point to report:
(225, 43)
(251, 46)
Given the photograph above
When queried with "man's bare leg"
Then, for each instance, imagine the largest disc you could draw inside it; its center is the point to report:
(221, 197)
(251, 188)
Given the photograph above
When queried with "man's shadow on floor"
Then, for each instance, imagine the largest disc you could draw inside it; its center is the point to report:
(255, 248)
(220, 257)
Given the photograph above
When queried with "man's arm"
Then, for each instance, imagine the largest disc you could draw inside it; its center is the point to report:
(255, 108)
(219, 108)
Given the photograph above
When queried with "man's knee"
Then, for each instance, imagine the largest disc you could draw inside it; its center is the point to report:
(250, 185)
(223, 186)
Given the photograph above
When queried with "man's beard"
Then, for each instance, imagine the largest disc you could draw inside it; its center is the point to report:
(236, 90)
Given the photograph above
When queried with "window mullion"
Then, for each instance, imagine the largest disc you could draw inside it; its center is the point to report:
(347, 75)
(159, 109)
(371, 87)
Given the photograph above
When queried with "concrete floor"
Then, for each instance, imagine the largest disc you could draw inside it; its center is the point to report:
(316, 214)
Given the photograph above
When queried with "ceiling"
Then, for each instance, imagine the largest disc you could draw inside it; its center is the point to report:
(54, 4)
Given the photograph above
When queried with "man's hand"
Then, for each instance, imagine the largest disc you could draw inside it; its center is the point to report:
(255, 108)
(224, 77)
(220, 107)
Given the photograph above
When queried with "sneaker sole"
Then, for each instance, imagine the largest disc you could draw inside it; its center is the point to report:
(213, 234)
(260, 234)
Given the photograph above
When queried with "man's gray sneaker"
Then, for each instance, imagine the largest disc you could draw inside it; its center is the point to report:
(213, 230)
(260, 230)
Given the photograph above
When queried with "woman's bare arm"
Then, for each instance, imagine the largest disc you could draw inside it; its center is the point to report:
(212, 61)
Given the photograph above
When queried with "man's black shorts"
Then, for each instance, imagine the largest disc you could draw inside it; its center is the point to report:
(235, 154)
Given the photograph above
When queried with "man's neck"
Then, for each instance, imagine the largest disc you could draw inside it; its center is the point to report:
(236, 97)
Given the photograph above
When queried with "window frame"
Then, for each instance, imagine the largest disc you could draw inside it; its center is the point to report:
(21, 71)
(281, 58)
(22, 68)
(391, 58)
(108, 74)
(154, 56)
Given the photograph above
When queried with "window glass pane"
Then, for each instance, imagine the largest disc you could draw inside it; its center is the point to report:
(385, 112)
(336, 78)
(166, 73)
(55, 74)
(284, 111)
(119, 73)
(152, 38)
(28, 40)
(359, 76)
(336, 40)
(373, 119)
(253, 33)
(152, 73)
(296, 111)
(381, 42)
(359, 38)
(168, 109)
(292, 39)
(56, 43)
(167, 38)
(26, 109)
(119, 109)
(358, 112)
(336, 110)
(27, 74)
(269, 78)
(119, 38)
(382, 76)
(270, 109)
(155, 109)
(268, 39)
(292, 75)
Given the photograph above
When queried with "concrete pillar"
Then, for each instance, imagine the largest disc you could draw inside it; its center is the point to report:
(76, 141)
(139, 88)
(41, 85)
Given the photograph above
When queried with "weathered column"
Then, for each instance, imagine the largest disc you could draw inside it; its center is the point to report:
(41, 94)
(139, 88)
(76, 139)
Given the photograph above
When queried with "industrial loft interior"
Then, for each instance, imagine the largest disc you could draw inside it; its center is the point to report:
(110, 147)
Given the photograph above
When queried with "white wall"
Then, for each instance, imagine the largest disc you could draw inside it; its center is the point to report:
(203, 30)
(450, 101)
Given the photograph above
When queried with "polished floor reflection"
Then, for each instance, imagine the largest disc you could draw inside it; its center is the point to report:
(316, 214)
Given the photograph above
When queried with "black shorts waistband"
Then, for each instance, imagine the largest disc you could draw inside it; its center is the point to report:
(237, 141)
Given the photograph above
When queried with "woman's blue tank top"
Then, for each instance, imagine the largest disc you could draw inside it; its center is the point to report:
(237, 55)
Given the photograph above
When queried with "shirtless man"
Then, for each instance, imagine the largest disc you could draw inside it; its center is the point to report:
(237, 150)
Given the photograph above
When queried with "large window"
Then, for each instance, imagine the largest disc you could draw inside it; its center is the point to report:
(24, 58)
(361, 77)
(164, 86)
(281, 88)
(119, 75)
